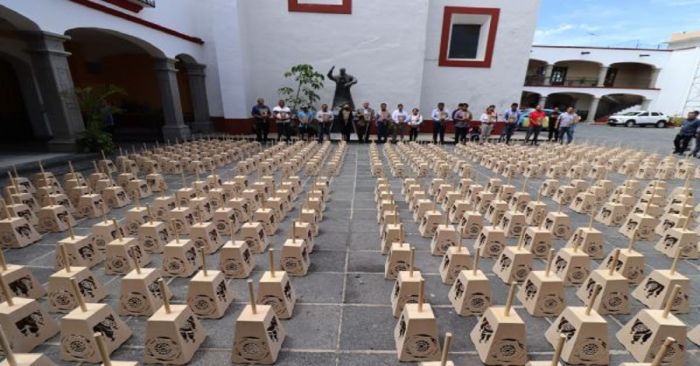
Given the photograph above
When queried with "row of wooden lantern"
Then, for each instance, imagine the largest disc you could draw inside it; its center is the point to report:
(405, 288)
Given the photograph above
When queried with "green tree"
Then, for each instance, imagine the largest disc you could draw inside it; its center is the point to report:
(95, 106)
(308, 81)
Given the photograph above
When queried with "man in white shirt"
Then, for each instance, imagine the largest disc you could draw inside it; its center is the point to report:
(324, 118)
(282, 115)
(488, 119)
(400, 118)
(565, 125)
(414, 122)
(441, 116)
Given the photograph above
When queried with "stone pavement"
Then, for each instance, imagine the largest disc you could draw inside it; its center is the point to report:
(343, 315)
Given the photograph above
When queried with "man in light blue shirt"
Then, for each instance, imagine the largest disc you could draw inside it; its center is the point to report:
(512, 116)
(305, 117)
(440, 116)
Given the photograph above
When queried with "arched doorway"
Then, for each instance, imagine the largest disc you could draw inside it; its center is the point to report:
(580, 101)
(101, 57)
(576, 73)
(615, 103)
(193, 93)
(22, 118)
(536, 73)
(530, 99)
(630, 75)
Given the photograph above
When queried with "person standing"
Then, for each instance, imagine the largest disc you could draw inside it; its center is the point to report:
(383, 121)
(536, 119)
(363, 120)
(512, 116)
(324, 118)
(345, 121)
(282, 115)
(399, 117)
(554, 134)
(440, 118)
(305, 117)
(488, 119)
(565, 125)
(414, 122)
(688, 130)
(261, 116)
(462, 117)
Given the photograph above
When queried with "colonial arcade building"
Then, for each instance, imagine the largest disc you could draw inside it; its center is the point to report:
(197, 66)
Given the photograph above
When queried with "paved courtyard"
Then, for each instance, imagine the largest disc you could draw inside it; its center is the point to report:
(343, 314)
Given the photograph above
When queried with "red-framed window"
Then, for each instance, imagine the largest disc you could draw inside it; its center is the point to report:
(309, 6)
(468, 36)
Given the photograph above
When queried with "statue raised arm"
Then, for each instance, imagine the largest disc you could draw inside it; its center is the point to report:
(343, 82)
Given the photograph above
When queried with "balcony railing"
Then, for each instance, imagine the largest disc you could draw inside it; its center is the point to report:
(583, 82)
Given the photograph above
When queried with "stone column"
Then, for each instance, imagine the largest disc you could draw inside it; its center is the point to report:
(654, 77)
(543, 100)
(601, 75)
(645, 104)
(200, 103)
(548, 74)
(50, 63)
(170, 99)
(592, 109)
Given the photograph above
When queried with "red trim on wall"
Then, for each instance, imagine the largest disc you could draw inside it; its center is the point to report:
(111, 11)
(344, 8)
(125, 5)
(447, 28)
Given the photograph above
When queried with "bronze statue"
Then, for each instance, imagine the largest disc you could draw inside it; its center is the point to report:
(343, 82)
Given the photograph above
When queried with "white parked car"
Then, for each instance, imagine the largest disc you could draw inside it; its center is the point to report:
(639, 118)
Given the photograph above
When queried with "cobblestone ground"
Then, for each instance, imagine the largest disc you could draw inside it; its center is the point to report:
(343, 315)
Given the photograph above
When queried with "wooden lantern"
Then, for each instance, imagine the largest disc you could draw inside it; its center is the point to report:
(514, 263)
(180, 257)
(415, 333)
(205, 236)
(61, 298)
(140, 293)
(79, 326)
(236, 259)
(499, 335)
(54, 218)
(182, 218)
(455, 260)
(254, 235)
(399, 259)
(20, 280)
(585, 333)
(630, 264)
(294, 259)
(589, 240)
(471, 224)
(470, 293)
(259, 334)
(21, 359)
(173, 334)
(406, 287)
(559, 224)
(276, 290)
(614, 296)
(645, 333)
(535, 212)
(208, 295)
(655, 290)
(446, 236)
(491, 242)
(16, 232)
(542, 292)
(680, 239)
(25, 322)
(120, 253)
(153, 235)
(572, 265)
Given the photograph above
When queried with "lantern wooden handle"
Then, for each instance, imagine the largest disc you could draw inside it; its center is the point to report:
(166, 301)
(3, 263)
(662, 351)
(613, 262)
(550, 259)
(204, 261)
(78, 295)
(102, 348)
(421, 295)
(445, 349)
(509, 299)
(669, 302)
(271, 259)
(64, 255)
(593, 298)
(9, 354)
(413, 261)
(251, 295)
(558, 349)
